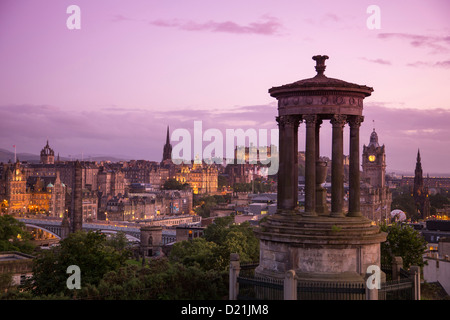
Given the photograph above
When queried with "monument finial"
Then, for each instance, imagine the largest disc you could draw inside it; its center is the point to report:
(320, 64)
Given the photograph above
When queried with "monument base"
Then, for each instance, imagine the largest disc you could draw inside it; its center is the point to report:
(318, 248)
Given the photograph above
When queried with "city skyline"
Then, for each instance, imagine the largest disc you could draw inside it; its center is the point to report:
(113, 86)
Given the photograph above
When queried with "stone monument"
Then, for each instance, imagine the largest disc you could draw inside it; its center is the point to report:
(317, 243)
(151, 240)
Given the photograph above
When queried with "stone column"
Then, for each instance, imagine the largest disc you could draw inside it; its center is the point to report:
(318, 123)
(310, 165)
(337, 169)
(290, 285)
(288, 170)
(321, 173)
(354, 207)
(234, 274)
(415, 276)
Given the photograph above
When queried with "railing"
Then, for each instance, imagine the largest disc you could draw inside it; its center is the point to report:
(245, 285)
(330, 291)
(387, 269)
(402, 289)
(258, 288)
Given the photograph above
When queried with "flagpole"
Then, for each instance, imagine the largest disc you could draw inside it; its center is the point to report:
(15, 155)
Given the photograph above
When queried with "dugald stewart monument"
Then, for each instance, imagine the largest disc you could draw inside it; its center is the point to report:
(318, 243)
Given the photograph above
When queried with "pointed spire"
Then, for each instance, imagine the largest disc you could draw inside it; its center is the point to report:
(167, 138)
(418, 155)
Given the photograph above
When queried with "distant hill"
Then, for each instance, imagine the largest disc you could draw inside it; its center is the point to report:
(6, 156)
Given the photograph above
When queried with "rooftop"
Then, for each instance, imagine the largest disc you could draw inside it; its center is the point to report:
(7, 256)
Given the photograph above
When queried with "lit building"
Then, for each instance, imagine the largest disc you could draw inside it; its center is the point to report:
(13, 189)
(201, 177)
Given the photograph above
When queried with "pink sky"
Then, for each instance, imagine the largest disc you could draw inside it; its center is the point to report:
(135, 67)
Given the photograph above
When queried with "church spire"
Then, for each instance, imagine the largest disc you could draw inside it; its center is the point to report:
(167, 138)
(167, 151)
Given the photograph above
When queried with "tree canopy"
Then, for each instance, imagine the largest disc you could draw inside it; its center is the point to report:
(90, 251)
(13, 235)
(173, 184)
(403, 241)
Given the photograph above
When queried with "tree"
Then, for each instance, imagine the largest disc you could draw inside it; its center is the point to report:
(233, 238)
(403, 241)
(405, 202)
(206, 203)
(174, 184)
(13, 235)
(197, 251)
(159, 279)
(89, 251)
(438, 201)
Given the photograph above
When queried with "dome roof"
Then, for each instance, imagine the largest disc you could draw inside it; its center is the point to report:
(321, 82)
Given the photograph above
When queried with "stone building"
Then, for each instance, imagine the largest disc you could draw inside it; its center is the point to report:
(124, 208)
(21, 193)
(19, 265)
(111, 182)
(13, 188)
(376, 197)
(201, 177)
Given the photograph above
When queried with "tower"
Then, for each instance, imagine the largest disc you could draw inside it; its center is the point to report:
(47, 155)
(76, 214)
(418, 177)
(151, 240)
(376, 196)
(167, 152)
(420, 192)
(374, 162)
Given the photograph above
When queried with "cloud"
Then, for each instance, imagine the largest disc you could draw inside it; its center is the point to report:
(439, 64)
(267, 26)
(120, 18)
(378, 61)
(438, 44)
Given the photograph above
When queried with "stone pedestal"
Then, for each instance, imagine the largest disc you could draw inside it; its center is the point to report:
(318, 248)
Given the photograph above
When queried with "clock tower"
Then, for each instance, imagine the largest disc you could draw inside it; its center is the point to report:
(376, 197)
(374, 162)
